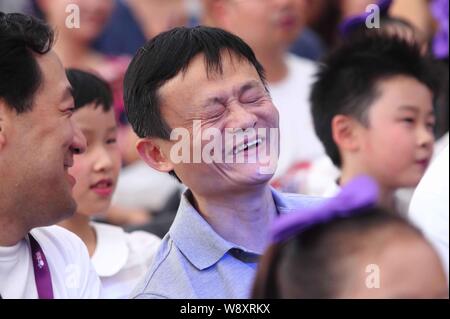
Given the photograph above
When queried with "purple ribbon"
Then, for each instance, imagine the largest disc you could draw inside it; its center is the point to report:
(439, 9)
(359, 194)
(41, 270)
(348, 25)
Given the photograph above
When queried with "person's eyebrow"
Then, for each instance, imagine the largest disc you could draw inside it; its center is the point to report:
(220, 96)
(249, 85)
(415, 109)
(112, 129)
(411, 108)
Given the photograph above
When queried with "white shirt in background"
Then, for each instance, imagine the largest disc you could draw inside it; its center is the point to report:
(121, 259)
(429, 209)
(73, 276)
(298, 141)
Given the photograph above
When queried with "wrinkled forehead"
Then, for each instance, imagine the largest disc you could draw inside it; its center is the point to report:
(201, 78)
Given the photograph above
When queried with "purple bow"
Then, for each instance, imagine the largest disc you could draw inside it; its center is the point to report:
(439, 9)
(354, 198)
(348, 25)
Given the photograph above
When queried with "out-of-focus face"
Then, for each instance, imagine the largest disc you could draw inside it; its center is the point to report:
(93, 15)
(97, 170)
(264, 23)
(406, 267)
(235, 101)
(41, 146)
(397, 144)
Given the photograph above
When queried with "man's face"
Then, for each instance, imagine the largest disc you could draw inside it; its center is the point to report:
(265, 23)
(41, 145)
(235, 101)
(397, 145)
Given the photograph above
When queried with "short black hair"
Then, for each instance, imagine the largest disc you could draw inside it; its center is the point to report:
(21, 36)
(162, 58)
(88, 88)
(312, 264)
(347, 80)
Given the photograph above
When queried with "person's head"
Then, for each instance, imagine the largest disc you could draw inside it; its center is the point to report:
(262, 24)
(64, 15)
(206, 75)
(390, 26)
(372, 106)
(96, 170)
(358, 252)
(37, 134)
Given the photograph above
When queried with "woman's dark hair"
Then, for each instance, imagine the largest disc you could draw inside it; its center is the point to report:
(310, 265)
(88, 88)
(21, 38)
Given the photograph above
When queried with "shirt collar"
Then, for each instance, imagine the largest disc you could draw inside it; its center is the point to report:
(111, 253)
(200, 244)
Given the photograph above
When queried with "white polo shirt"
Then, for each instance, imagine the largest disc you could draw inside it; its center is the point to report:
(121, 259)
(73, 276)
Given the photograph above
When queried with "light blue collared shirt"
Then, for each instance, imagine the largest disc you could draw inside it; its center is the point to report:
(193, 261)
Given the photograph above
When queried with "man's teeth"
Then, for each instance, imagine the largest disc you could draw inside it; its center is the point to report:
(246, 146)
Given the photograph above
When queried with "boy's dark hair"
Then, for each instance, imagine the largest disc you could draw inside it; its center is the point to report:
(162, 58)
(347, 81)
(310, 265)
(88, 88)
(21, 37)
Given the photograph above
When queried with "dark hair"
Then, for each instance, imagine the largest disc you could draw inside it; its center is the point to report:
(88, 88)
(162, 58)
(310, 265)
(21, 36)
(347, 81)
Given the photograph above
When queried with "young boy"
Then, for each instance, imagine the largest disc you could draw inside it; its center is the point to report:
(120, 259)
(372, 107)
(375, 254)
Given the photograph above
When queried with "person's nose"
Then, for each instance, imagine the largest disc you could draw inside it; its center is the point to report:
(104, 161)
(241, 118)
(78, 145)
(425, 137)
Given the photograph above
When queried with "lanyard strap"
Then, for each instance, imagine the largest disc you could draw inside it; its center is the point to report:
(41, 270)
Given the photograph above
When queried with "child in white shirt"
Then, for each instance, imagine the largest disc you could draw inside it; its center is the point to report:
(119, 258)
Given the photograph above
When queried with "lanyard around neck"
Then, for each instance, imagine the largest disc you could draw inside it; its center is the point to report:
(41, 270)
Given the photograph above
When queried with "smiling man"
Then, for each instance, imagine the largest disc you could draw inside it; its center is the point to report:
(206, 78)
(37, 143)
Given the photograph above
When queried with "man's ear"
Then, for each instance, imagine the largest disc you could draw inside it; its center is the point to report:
(4, 119)
(345, 132)
(151, 153)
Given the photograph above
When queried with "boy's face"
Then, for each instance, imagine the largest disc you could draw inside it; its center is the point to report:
(397, 144)
(97, 170)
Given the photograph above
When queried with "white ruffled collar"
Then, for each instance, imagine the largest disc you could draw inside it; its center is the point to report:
(111, 253)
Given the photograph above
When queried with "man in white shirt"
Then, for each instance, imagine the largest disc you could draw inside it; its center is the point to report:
(429, 208)
(37, 143)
